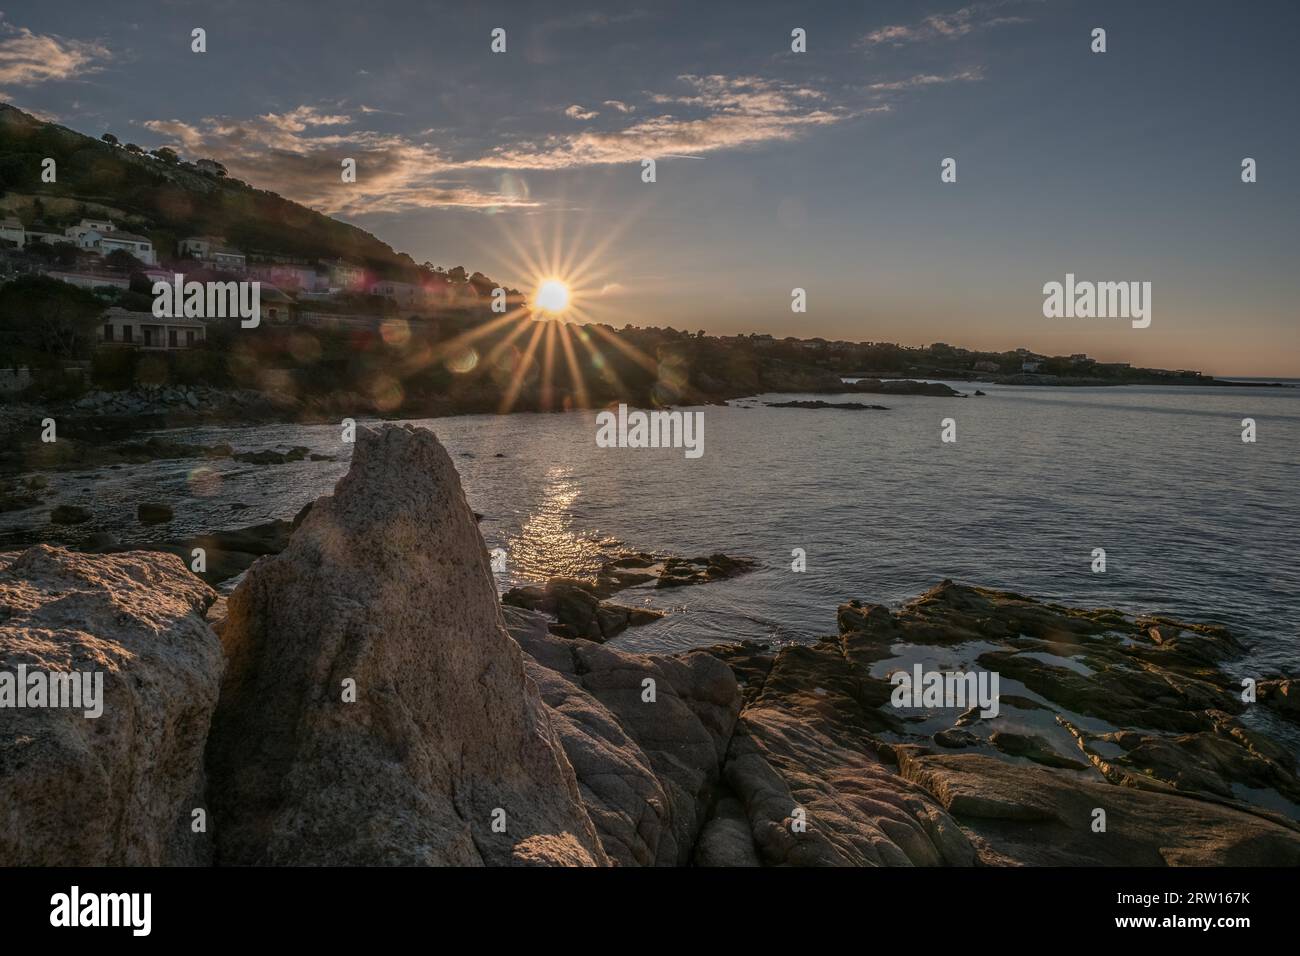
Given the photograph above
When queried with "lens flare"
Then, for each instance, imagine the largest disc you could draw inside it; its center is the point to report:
(552, 296)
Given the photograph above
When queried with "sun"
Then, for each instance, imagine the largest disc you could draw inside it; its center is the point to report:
(552, 296)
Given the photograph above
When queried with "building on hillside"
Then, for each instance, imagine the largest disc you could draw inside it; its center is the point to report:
(88, 280)
(106, 242)
(295, 278)
(34, 236)
(213, 252)
(141, 330)
(75, 233)
(407, 295)
(277, 308)
(12, 230)
(344, 276)
(1031, 365)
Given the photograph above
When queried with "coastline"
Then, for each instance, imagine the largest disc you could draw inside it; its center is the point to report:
(742, 755)
(106, 417)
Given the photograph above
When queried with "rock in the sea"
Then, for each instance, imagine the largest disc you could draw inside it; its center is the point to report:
(900, 387)
(818, 404)
(119, 789)
(69, 514)
(154, 513)
(678, 572)
(1032, 747)
(385, 591)
(297, 453)
(1283, 695)
(1183, 781)
(578, 610)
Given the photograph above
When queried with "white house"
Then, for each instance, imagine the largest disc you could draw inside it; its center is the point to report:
(75, 233)
(303, 278)
(213, 251)
(12, 230)
(1030, 365)
(344, 275)
(142, 330)
(405, 294)
(106, 242)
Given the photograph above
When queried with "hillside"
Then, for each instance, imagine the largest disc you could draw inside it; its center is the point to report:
(167, 200)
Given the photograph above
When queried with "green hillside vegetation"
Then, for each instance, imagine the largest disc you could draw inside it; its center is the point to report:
(168, 199)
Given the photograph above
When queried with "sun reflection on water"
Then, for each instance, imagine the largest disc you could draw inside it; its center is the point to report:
(547, 545)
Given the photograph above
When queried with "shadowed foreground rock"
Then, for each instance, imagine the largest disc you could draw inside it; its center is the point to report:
(386, 583)
(648, 769)
(118, 789)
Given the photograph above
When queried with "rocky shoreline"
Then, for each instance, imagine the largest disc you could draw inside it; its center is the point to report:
(363, 697)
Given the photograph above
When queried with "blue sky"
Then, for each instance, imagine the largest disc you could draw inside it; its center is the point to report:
(774, 169)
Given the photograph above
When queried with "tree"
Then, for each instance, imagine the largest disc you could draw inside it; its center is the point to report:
(119, 260)
(167, 155)
(132, 148)
(65, 254)
(457, 274)
(45, 315)
(109, 138)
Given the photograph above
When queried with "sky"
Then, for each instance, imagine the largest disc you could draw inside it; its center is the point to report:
(774, 170)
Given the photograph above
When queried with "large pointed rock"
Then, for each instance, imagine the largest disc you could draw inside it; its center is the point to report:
(386, 587)
(119, 788)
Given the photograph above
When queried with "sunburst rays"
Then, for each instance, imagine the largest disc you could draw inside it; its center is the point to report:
(567, 274)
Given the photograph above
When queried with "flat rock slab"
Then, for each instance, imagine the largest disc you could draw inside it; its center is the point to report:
(1025, 815)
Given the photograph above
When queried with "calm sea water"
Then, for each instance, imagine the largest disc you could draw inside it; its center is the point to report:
(1195, 523)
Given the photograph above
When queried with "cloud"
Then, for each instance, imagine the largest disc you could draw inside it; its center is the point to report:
(927, 79)
(297, 120)
(28, 58)
(298, 154)
(950, 26)
(713, 113)
(620, 106)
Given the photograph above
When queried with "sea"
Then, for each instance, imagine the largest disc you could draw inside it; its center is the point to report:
(1194, 522)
